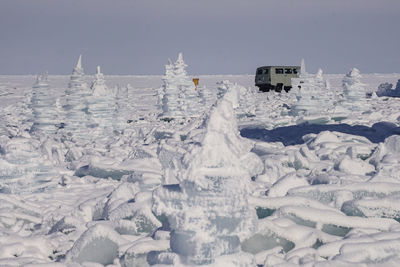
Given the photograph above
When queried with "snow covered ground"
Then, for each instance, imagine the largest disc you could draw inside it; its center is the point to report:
(121, 178)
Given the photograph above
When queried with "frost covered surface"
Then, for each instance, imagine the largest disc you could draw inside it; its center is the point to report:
(93, 176)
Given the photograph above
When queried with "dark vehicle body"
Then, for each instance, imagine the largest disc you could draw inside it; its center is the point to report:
(276, 78)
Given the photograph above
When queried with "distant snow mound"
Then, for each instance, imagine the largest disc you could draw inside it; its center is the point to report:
(352, 86)
(355, 91)
(42, 81)
(312, 93)
(99, 86)
(386, 89)
(101, 106)
(303, 71)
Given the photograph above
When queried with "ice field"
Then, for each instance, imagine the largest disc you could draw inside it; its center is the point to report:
(99, 170)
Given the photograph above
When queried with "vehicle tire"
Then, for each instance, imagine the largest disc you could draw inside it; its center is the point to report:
(287, 88)
(279, 87)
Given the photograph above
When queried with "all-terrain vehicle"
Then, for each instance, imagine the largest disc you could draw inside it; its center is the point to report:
(276, 78)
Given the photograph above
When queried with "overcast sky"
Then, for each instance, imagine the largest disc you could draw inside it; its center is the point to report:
(215, 36)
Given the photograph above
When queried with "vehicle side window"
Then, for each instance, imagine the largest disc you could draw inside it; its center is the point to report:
(279, 71)
(294, 71)
(288, 71)
(259, 71)
(265, 71)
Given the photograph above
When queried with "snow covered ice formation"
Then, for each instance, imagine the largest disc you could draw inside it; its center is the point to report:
(77, 76)
(101, 106)
(42, 81)
(76, 107)
(313, 94)
(180, 99)
(354, 91)
(44, 107)
(208, 211)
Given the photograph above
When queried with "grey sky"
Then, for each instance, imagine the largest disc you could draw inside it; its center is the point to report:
(216, 36)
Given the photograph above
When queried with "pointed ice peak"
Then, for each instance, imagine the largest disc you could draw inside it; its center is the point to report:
(354, 73)
(79, 63)
(179, 63)
(222, 145)
(98, 70)
(180, 66)
(180, 58)
(169, 61)
(319, 74)
(303, 67)
(41, 80)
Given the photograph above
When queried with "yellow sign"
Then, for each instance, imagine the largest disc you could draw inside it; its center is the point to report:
(196, 82)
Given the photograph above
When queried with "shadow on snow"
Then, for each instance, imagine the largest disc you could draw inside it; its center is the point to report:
(292, 135)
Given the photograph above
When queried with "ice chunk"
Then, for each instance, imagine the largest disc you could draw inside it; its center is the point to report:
(99, 244)
(134, 217)
(354, 166)
(143, 252)
(382, 251)
(260, 242)
(66, 225)
(289, 229)
(284, 184)
(24, 250)
(386, 89)
(338, 219)
(327, 193)
(253, 164)
(374, 207)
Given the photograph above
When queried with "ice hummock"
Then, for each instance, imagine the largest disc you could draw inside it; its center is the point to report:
(44, 107)
(101, 106)
(99, 87)
(209, 213)
(76, 108)
(313, 93)
(42, 81)
(180, 97)
(23, 166)
(354, 90)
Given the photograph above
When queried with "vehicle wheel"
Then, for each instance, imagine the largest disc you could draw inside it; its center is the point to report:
(279, 87)
(287, 88)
